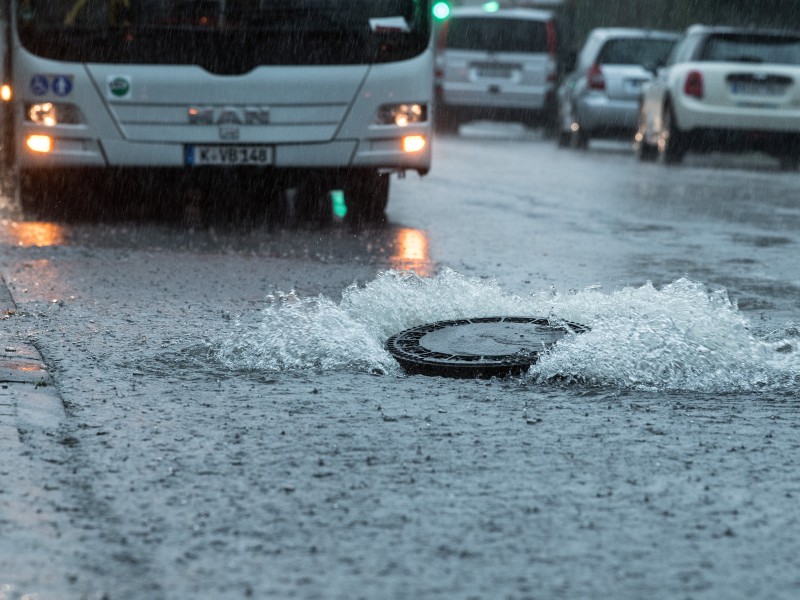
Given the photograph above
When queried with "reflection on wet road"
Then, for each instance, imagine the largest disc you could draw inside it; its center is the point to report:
(33, 233)
(389, 246)
(411, 252)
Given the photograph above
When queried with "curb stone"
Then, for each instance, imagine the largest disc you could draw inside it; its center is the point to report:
(27, 395)
(30, 408)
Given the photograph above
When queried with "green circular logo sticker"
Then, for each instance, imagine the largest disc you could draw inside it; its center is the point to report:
(119, 86)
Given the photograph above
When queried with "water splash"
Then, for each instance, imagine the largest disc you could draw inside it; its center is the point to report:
(681, 336)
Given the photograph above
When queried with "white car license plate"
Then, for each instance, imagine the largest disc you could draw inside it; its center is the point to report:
(228, 155)
(755, 88)
(495, 72)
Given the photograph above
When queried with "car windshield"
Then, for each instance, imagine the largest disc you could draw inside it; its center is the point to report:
(224, 36)
(755, 48)
(636, 51)
(497, 35)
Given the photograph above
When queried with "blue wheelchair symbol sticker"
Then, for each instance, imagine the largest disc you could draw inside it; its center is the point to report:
(62, 85)
(39, 85)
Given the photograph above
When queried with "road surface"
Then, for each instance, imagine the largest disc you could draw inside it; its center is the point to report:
(233, 427)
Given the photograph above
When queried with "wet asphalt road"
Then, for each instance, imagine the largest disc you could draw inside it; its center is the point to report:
(191, 462)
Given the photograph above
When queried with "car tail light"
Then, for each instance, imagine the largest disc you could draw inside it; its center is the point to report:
(552, 39)
(693, 86)
(595, 78)
(551, 71)
(441, 39)
(552, 50)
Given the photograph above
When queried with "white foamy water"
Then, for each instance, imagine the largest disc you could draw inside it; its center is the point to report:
(682, 336)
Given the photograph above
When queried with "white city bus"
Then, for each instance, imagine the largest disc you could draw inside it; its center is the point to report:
(337, 92)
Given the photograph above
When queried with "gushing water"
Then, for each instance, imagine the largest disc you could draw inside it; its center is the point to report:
(681, 337)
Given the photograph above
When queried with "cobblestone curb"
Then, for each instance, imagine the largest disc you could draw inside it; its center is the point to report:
(30, 410)
(27, 395)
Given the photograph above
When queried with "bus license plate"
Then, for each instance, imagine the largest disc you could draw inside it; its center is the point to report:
(233, 155)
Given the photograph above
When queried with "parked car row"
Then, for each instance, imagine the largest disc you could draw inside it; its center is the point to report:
(710, 89)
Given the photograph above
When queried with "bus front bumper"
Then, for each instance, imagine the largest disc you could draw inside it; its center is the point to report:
(382, 153)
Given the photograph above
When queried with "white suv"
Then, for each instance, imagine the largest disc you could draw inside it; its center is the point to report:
(497, 65)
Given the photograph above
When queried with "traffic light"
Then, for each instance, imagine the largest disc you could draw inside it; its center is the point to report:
(441, 10)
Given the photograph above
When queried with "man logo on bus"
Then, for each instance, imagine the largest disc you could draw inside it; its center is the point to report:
(228, 115)
(119, 86)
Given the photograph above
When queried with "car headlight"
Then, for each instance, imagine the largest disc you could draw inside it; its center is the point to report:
(402, 115)
(51, 113)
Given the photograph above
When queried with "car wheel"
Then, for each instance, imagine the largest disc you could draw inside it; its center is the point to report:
(581, 139)
(564, 139)
(550, 125)
(672, 141)
(366, 196)
(644, 151)
(550, 131)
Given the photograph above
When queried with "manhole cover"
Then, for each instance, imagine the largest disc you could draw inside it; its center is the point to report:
(482, 347)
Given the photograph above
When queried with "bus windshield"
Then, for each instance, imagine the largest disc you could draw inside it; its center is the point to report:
(225, 36)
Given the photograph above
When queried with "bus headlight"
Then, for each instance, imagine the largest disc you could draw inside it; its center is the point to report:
(402, 115)
(49, 114)
(413, 143)
(39, 143)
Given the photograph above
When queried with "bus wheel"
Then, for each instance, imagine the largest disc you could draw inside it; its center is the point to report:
(366, 197)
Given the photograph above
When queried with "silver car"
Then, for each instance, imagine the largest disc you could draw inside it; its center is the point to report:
(600, 98)
(498, 64)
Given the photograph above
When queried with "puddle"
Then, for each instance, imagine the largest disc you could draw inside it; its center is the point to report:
(682, 336)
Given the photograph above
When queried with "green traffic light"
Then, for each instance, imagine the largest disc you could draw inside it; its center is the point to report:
(441, 10)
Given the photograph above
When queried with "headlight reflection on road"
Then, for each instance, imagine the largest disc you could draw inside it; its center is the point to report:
(411, 252)
(37, 233)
